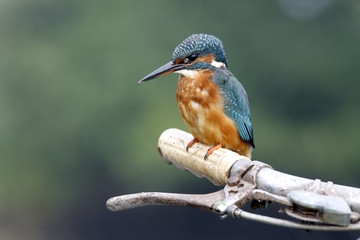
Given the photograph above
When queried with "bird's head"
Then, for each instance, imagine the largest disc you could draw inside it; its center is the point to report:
(197, 52)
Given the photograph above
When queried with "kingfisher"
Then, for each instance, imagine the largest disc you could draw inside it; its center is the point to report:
(212, 102)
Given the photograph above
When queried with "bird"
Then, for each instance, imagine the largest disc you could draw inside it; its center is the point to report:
(212, 102)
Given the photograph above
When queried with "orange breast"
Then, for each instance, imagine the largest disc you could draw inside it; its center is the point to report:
(201, 106)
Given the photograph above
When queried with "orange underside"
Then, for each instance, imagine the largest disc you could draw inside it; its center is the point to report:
(201, 106)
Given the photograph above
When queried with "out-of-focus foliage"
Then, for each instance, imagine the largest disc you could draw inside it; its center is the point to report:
(77, 128)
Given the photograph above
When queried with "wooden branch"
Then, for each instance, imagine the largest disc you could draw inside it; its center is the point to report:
(172, 147)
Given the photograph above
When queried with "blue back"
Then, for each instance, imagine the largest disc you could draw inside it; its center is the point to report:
(236, 104)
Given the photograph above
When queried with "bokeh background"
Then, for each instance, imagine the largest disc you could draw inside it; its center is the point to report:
(76, 128)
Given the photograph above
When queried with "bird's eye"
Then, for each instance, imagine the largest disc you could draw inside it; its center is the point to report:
(190, 58)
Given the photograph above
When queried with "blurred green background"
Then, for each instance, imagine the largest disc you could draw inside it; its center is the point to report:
(76, 128)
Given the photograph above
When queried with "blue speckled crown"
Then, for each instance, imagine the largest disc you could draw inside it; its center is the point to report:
(201, 45)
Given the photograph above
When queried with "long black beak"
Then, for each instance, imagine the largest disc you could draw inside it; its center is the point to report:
(161, 71)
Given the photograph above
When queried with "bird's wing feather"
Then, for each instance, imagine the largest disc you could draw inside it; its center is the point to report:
(236, 105)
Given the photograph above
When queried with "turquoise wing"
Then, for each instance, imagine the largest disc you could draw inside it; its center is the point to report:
(236, 105)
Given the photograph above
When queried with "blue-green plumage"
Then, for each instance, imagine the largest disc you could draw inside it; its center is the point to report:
(205, 87)
(236, 105)
(236, 101)
(200, 45)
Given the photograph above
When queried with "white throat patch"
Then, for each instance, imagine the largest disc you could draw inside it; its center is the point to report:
(188, 73)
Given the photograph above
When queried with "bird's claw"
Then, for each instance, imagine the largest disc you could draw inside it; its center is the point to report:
(191, 143)
(211, 150)
(206, 155)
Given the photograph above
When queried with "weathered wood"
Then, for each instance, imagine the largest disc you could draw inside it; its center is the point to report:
(172, 147)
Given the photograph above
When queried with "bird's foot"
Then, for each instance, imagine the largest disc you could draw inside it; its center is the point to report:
(190, 144)
(211, 150)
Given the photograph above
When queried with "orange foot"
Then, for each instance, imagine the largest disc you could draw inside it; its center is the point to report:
(211, 150)
(190, 144)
